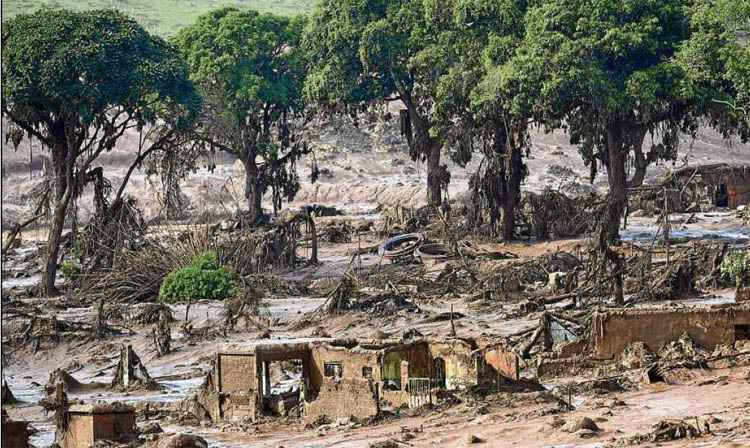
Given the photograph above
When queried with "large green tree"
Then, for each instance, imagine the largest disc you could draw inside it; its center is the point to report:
(475, 95)
(250, 69)
(606, 72)
(716, 61)
(77, 82)
(367, 51)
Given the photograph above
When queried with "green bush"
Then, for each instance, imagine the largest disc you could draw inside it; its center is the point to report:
(736, 268)
(203, 278)
(70, 270)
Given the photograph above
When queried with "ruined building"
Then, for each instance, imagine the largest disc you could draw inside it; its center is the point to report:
(347, 378)
(709, 327)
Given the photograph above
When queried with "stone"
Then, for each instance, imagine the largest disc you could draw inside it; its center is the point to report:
(473, 439)
(151, 428)
(581, 423)
(183, 441)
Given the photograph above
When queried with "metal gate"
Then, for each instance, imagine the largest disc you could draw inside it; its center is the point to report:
(419, 392)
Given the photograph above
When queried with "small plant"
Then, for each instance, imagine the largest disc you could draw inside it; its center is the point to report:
(70, 270)
(203, 278)
(736, 268)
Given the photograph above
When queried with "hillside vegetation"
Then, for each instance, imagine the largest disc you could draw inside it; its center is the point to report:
(164, 17)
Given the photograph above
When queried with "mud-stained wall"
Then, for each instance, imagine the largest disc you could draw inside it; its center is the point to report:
(79, 433)
(344, 398)
(15, 434)
(354, 364)
(460, 366)
(499, 361)
(85, 429)
(612, 331)
(738, 188)
(236, 372)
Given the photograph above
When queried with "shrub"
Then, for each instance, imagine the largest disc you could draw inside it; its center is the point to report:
(736, 268)
(70, 270)
(203, 278)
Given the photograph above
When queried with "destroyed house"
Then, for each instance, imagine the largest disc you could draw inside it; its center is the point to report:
(613, 330)
(719, 184)
(87, 425)
(343, 378)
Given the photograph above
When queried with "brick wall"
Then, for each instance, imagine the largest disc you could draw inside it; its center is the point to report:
(80, 432)
(501, 361)
(85, 429)
(352, 362)
(237, 372)
(612, 331)
(115, 426)
(460, 366)
(342, 399)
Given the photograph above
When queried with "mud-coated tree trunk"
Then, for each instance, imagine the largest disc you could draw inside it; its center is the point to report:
(640, 162)
(62, 167)
(513, 191)
(253, 189)
(617, 197)
(434, 176)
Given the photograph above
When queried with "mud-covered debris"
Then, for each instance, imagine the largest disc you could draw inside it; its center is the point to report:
(151, 428)
(182, 441)
(636, 355)
(131, 374)
(667, 430)
(390, 443)
(59, 376)
(579, 424)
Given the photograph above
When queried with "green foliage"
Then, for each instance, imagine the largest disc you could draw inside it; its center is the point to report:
(246, 60)
(66, 72)
(203, 278)
(163, 17)
(250, 69)
(716, 61)
(736, 268)
(70, 270)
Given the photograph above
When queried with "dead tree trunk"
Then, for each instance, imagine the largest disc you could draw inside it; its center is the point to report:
(131, 373)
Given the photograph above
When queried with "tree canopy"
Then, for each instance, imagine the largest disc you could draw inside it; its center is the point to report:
(374, 50)
(78, 82)
(607, 72)
(250, 69)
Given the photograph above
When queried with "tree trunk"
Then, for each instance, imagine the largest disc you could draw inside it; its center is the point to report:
(640, 161)
(617, 197)
(434, 176)
(513, 191)
(253, 189)
(62, 165)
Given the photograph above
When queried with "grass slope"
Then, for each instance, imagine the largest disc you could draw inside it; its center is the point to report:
(164, 17)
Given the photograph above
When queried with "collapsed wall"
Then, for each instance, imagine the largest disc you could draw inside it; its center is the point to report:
(613, 330)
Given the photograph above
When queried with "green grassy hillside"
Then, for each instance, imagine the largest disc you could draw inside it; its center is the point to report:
(163, 17)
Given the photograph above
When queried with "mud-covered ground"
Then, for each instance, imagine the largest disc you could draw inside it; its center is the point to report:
(527, 419)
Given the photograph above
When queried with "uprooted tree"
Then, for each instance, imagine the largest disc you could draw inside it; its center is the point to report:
(367, 52)
(77, 82)
(250, 70)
